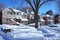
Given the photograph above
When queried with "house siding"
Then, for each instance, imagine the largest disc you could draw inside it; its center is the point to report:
(8, 14)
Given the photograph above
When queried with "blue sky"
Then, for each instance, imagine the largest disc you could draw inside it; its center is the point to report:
(51, 6)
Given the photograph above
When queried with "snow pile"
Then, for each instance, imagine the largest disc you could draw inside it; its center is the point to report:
(4, 26)
(27, 35)
(1, 38)
(33, 24)
(23, 32)
(46, 32)
(26, 32)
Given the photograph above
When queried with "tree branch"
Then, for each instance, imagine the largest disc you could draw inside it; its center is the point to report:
(28, 1)
(45, 2)
(34, 2)
(37, 3)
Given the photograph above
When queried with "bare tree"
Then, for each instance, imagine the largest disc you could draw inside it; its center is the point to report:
(36, 4)
(24, 9)
(1, 6)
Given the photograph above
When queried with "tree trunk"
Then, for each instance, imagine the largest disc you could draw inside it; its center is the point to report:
(36, 19)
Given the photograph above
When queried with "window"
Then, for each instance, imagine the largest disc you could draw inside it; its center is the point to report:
(9, 12)
(14, 13)
(7, 20)
(20, 13)
(17, 13)
(23, 16)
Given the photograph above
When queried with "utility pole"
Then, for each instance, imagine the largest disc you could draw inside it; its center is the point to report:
(0, 17)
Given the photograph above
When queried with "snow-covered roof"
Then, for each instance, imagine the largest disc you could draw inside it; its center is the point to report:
(20, 11)
(18, 17)
(24, 19)
(13, 9)
(12, 20)
(16, 10)
(17, 23)
(32, 12)
(5, 9)
(48, 15)
(42, 19)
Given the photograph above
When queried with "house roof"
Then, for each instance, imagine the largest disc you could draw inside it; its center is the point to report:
(18, 17)
(41, 19)
(48, 15)
(7, 8)
(23, 19)
(15, 10)
(12, 20)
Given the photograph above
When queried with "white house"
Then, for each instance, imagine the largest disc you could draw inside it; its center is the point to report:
(11, 16)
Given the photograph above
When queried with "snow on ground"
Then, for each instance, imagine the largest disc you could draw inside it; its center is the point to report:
(1, 38)
(52, 30)
(23, 32)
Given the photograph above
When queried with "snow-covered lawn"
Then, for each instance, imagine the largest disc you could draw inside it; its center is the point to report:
(23, 32)
(1, 38)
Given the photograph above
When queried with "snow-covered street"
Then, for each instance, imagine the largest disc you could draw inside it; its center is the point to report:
(23, 32)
